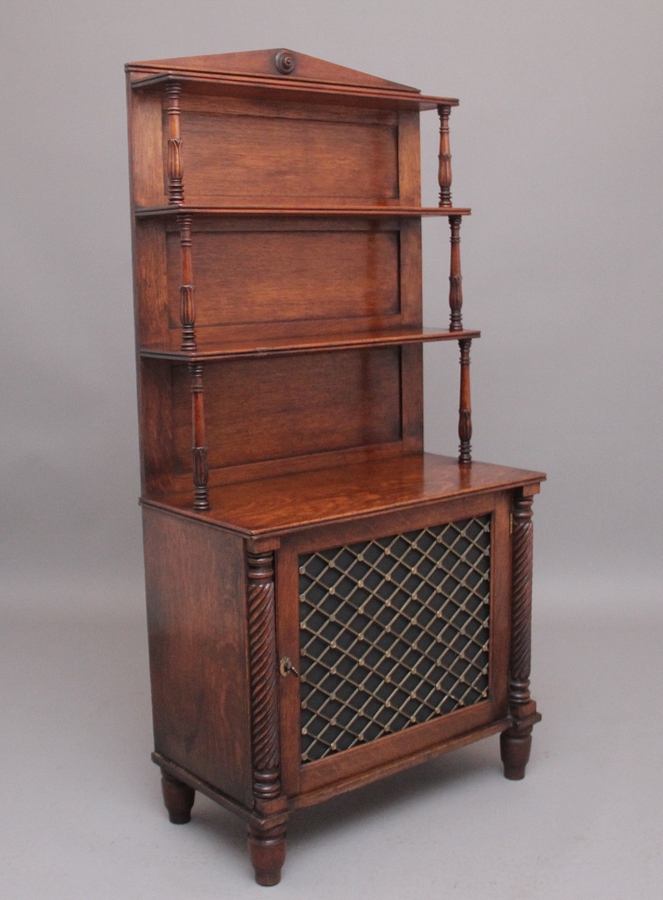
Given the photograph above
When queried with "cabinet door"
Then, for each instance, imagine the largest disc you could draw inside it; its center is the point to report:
(397, 627)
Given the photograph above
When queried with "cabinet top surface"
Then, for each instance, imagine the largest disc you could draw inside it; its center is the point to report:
(289, 502)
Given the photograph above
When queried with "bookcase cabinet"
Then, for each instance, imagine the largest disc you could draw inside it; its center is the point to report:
(327, 604)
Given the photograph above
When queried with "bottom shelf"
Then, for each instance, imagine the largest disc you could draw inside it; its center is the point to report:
(286, 503)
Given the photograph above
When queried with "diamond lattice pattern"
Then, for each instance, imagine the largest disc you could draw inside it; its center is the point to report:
(394, 632)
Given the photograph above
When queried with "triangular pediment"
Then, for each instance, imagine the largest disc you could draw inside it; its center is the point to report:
(272, 63)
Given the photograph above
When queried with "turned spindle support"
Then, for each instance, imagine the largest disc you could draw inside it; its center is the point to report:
(187, 305)
(465, 404)
(444, 157)
(455, 277)
(200, 467)
(516, 741)
(267, 842)
(175, 168)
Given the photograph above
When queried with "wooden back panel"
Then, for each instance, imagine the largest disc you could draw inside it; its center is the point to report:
(301, 155)
(256, 278)
(268, 277)
(262, 152)
(271, 415)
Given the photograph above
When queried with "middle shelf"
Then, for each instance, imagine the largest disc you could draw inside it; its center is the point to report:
(287, 344)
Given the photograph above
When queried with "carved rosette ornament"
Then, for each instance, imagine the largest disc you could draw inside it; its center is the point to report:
(285, 62)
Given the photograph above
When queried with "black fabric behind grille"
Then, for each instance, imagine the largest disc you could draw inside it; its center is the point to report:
(393, 632)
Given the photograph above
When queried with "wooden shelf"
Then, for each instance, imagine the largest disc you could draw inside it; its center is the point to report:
(290, 502)
(301, 211)
(309, 344)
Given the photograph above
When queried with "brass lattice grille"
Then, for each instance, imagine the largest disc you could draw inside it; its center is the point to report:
(393, 632)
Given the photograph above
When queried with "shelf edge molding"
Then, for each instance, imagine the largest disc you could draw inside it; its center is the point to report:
(306, 345)
(174, 209)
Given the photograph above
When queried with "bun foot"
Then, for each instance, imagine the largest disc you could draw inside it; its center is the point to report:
(267, 849)
(515, 749)
(178, 799)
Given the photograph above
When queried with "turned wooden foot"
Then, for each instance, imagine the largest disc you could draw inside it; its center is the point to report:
(515, 748)
(267, 848)
(178, 798)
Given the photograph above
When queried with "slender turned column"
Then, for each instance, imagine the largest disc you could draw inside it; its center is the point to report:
(187, 306)
(266, 843)
(200, 468)
(175, 189)
(465, 405)
(516, 741)
(455, 277)
(444, 170)
(178, 798)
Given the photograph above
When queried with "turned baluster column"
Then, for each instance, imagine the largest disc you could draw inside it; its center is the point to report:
(187, 306)
(516, 741)
(444, 178)
(266, 842)
(175, 189)
(200, 467)
(444, 157)
(188, 318)
(455, 277)
(465, 405)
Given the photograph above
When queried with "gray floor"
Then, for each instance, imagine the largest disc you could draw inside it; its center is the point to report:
(82, 815)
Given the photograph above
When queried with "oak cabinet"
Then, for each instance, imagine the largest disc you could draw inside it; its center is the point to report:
(327, 604)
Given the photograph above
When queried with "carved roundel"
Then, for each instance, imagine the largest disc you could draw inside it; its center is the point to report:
(285, 62)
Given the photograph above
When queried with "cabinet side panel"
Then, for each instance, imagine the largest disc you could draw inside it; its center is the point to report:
(145, 143)
(151, 284)
(156, 427)
(409, 166)
(196, 607)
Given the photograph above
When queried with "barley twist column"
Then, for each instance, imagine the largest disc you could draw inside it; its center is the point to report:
(516, 741)
(266, 842)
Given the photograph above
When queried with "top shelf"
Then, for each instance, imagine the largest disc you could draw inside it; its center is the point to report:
(280, 88)
(175, 209)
